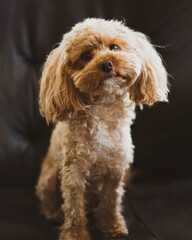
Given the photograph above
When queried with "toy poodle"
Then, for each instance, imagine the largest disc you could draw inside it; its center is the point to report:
(89, 87)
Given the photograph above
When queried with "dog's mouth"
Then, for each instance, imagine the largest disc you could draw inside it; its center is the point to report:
(103, 85)
(110, 85)
(123, 80)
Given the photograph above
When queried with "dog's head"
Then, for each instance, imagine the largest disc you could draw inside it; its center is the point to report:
(96, 61)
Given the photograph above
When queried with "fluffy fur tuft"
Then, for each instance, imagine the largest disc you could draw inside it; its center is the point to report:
(90, 84)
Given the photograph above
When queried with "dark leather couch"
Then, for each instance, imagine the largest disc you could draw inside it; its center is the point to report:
(158, 203)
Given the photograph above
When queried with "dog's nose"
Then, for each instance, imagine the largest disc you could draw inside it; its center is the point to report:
(106, 66)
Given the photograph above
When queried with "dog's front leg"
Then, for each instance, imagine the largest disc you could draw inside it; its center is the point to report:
(110, 219)
(73, 188)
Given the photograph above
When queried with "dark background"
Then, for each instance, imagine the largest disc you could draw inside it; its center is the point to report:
(162, 133)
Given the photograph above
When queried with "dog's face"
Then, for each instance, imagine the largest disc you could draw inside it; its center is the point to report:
(101, 59)
(97, 61)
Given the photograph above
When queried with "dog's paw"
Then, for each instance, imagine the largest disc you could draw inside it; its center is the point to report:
(115, 232)
(56, 216)
(115, 228)
(74, 235)
(52, 214)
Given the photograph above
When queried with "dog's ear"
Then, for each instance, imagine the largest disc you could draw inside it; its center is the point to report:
(58, 95)
(151, 85)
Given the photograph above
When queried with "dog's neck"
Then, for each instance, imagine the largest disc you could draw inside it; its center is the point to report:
(111, 110)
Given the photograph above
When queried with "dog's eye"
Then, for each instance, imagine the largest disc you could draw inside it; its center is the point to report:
(114, 47)
(86, 56)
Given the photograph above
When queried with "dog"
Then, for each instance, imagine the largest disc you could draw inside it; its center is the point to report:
(89, 87)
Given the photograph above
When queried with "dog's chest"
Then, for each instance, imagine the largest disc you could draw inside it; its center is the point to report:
(106, 147)
(106, 135)
(98, 143)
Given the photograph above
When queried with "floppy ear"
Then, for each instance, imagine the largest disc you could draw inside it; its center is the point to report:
(151, 84)
(58, 95)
